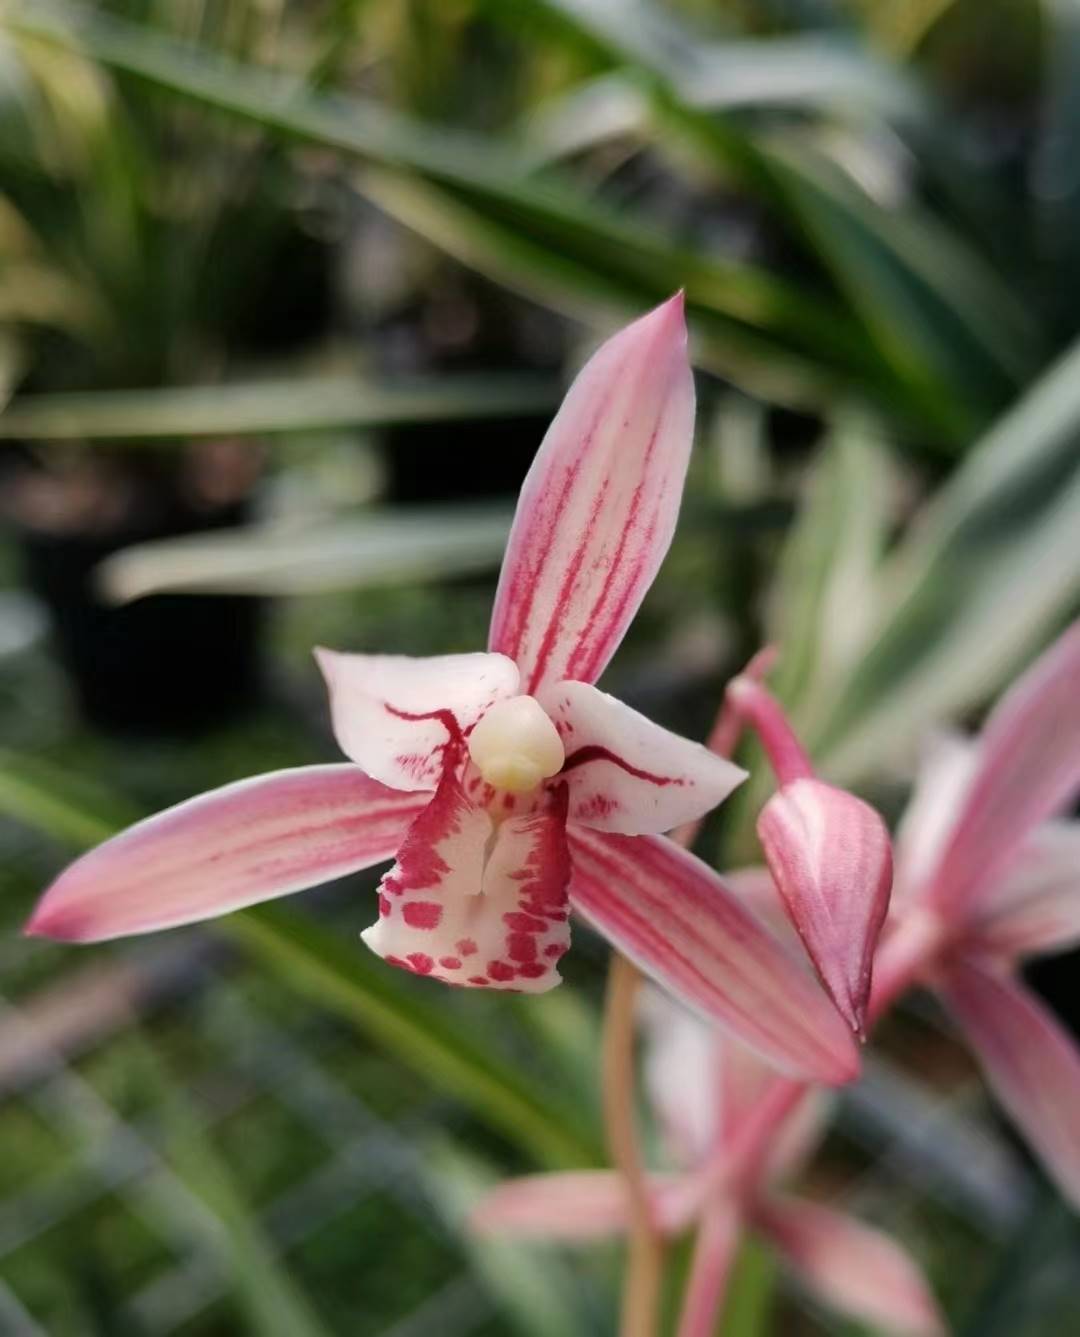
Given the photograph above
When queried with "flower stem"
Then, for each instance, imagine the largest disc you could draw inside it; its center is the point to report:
(645, 1259)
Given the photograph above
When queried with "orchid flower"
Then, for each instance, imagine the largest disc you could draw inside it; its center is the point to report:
(988, 875)
(508, 786)
(705, 1091)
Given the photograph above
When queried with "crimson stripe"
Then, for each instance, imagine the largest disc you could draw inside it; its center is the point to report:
(617, 867)
(630, 585)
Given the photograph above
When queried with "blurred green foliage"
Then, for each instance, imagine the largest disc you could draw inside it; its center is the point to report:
(874, 209)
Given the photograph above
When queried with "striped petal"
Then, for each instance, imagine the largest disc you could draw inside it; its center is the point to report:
(1031, 1062)
(1029, 769)
(402, 719)
(1035, 907)
(830, 857)
(232, 847)
(578, 1206)
(475, 904)
(852, 1267)
(714, 1255)
(675, 918)
(598, 508)
(626, 773)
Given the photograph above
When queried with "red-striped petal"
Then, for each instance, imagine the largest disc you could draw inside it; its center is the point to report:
(1028, 770)
(598, 508)
(1031, 1062)
(675, 918)
(830, 857)
(627, 774)
(852, 1267)
(232, 847)
(403, 719)
(477, 904)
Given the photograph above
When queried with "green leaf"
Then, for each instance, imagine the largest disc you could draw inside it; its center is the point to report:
(387, 546)
(825, 589)
(953, 338)
(70, 808)
(336, 975)
(987, 572)
(275, 1305)
(806, 73)
(264, 407)
(470, 195)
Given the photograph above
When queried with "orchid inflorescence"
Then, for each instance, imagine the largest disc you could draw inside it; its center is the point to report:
(511, 792)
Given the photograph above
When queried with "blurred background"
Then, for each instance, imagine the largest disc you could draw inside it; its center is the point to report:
(288, 292)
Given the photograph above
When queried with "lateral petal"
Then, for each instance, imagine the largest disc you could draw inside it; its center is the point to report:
(1035, 907)
(852, 1267)
(235, 846)
(1029, 1059)
(627, 774)
(673, 916)
(830, 857)
(1029, 769)
(599, 505)
(402, 718)
(477, 904)
(577, 1206)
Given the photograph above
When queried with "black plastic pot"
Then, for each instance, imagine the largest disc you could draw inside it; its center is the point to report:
(163, 665)
(462, 324)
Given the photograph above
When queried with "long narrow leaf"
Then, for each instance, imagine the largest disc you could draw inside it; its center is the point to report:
(950, 332)
(264, 407)
(284, 558)
(274, 1303)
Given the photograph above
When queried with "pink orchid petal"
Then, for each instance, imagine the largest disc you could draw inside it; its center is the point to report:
(1035, 906)
(852, 1267)
(578, 1206)
(830, 857)
(798, 1137)
(754, 886)
(1029, 769)
(675, 918)
(626, 773)
(948, 765)
(598, 508)
(477, 904)
(714, 1254)
(1031, 1062)
(232, 847)
(402, 719)
(683, 1076)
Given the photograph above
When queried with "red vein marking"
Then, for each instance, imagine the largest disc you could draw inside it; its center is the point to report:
(594, 752)
(631, 581)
